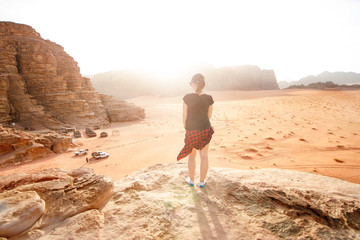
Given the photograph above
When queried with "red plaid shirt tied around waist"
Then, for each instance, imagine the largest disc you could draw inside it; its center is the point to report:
(195, 139)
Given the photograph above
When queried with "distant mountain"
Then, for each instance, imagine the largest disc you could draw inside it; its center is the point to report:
(326, 86)
(342, 78)
(131, 83)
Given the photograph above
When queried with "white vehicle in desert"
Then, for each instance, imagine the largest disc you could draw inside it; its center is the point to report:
(99, 154)
(81, 152)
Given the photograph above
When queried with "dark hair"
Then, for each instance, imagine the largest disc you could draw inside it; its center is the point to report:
(199, 79)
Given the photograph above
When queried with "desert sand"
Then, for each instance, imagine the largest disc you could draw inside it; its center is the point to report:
(311, 131)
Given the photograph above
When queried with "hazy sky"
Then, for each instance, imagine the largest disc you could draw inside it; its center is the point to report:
(296, 38)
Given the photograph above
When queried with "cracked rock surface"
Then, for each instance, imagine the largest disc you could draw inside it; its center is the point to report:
(59, 194)
(157, 203)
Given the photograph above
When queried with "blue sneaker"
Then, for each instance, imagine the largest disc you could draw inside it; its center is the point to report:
(191, 183)
(202, 184)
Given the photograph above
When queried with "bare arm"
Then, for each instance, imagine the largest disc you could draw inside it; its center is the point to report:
(210, 111)
(184, 113)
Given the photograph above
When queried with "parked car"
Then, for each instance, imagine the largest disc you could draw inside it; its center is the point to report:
(100, 154)
(95, 153)
(81, 152)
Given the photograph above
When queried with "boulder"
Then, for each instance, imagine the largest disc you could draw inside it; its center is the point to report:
(64, 194)
(62, 145)
(20, 210)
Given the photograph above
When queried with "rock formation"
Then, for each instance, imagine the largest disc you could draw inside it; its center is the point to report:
(247, 77)
(157, 203)
(121, 111)
(18, 146)
(136, 83)
(41, 85)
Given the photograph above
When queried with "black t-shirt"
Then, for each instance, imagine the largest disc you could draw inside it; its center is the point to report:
(197, 111)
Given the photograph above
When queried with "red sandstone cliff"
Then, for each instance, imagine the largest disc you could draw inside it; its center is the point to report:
(41, 85)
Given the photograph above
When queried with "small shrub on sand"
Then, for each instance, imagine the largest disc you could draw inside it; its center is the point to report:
(251, 150)
(270, 138)
(338, 160)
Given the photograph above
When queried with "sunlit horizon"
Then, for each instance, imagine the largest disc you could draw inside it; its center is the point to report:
(294, 38)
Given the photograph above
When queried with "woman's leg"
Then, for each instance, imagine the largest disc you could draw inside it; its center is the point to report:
(192, 164)
(204, 165)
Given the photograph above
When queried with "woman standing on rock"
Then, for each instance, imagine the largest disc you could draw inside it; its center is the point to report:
(197, 112)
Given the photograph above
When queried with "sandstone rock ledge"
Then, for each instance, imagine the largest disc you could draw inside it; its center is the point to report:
(72, 199)
(18, 146)
(156, 203)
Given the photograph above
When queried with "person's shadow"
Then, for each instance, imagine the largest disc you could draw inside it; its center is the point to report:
(205, 228)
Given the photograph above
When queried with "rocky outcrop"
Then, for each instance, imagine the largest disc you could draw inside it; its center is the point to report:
(41, 85)
(157, 203)
(121, 111)
(18, 146)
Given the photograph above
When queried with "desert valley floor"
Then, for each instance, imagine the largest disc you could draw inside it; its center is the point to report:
(305, 130)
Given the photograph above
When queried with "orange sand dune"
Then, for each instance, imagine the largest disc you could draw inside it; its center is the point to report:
(312, 131)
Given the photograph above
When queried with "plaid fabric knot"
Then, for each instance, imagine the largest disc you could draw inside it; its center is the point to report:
(195, 139)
